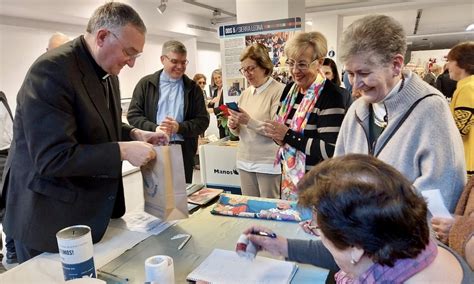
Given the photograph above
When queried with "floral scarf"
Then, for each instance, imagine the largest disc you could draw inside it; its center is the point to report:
(399, 273)
(293, 160)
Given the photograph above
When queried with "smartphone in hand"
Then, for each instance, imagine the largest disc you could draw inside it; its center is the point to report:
(233, 106)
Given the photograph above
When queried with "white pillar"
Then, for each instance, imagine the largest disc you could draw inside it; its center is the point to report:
(331, 27)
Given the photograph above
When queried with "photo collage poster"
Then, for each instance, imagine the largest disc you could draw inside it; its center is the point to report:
(234, 38)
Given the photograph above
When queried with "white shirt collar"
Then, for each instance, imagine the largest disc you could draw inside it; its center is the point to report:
(379, 108)
(262, 88)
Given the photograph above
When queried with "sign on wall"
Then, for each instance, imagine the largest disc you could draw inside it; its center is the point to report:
(234, 38)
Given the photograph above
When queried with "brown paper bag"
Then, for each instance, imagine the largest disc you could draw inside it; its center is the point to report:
(164, 185)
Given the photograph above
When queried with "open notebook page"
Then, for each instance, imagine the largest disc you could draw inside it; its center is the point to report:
(223, 266)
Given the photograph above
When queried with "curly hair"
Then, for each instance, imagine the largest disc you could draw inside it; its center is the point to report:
(364, 202)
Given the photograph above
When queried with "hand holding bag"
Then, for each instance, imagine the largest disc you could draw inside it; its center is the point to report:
(164, 185)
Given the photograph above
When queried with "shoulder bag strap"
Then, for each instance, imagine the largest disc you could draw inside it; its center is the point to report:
(402, 121)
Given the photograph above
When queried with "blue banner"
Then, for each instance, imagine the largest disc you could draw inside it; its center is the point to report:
(259, 27)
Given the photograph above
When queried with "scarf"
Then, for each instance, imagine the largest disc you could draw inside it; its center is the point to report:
(294, 161)
(402, 270)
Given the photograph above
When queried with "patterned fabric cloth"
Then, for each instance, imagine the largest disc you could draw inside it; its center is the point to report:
(260, 208)
(293, 160)
(402, 270)
(462, 107)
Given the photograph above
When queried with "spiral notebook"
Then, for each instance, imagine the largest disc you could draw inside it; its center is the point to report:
(226, 267)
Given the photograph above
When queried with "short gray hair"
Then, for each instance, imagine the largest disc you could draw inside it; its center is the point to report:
(375, 35)
(114, 16)
(173, 46)
(301, 41)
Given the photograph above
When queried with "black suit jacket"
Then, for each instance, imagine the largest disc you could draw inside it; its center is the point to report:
(64, 162)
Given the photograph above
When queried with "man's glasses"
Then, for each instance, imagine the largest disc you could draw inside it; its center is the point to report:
(176, 61)
(201, 82)
(248, 69)
(302, 66)
(127, 51)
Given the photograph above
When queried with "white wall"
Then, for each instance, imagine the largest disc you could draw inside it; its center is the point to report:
(208, 59)
(422, 57)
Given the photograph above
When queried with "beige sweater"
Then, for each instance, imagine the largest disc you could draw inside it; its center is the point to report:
(254, 146)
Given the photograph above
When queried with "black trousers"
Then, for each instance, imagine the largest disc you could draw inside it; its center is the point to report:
(25, 253)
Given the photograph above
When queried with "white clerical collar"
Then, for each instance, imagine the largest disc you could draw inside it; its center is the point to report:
(262, 88)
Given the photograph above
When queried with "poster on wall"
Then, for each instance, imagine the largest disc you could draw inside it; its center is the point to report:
(234, 38)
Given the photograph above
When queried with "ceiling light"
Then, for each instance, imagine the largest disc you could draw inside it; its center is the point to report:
(470, 27)
(309, 23)
(161, 9)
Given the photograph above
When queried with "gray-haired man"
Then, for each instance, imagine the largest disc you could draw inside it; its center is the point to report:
(65, 159)
(169, 100)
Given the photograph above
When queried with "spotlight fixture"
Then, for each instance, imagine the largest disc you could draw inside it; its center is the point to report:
(215, 13)
(161, 9)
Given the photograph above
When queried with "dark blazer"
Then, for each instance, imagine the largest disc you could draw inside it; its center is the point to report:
(319, 137)
(65, 166)
(144, 105)
(445, 84)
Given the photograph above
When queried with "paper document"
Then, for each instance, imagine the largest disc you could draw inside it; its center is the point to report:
(436, 203)
(226, 267)
(145, 223)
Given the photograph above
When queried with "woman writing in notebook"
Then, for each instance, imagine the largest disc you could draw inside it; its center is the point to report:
(372, 226)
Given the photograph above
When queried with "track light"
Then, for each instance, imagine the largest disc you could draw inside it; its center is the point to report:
(161, 9)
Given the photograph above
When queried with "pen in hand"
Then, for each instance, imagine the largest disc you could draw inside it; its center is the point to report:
(264, 234)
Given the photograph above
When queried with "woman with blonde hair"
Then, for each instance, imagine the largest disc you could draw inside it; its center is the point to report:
(217, 98)
(311, 112)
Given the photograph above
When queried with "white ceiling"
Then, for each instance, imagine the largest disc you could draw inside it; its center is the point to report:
(441, 25)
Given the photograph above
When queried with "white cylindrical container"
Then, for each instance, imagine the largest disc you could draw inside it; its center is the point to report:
(159, 269)
(76, 252)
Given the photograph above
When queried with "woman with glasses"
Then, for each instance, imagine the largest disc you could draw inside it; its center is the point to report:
(217, 98)
(200, 80)
(372, 227)
(259, 176)
(312, 109)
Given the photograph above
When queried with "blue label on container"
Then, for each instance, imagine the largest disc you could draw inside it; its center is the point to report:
(79, 270)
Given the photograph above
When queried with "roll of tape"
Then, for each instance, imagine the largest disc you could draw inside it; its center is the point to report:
(159, 269)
